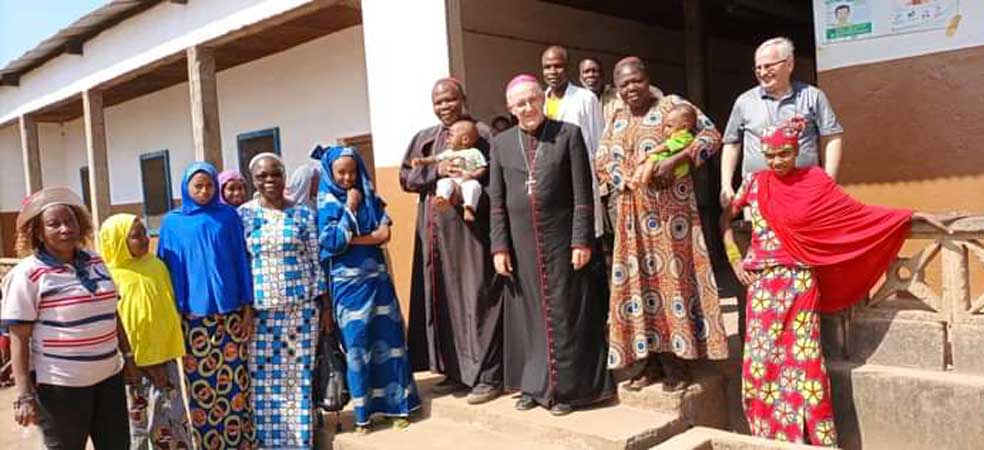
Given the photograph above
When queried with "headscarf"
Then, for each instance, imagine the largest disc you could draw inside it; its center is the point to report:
(299, 185)
(225, 177)
(786, 133)
(146, 308)
(265, 155)
(205, 251)
(37, 203)
(332, 197)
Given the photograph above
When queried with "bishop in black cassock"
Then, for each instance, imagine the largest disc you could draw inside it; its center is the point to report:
(542, 230)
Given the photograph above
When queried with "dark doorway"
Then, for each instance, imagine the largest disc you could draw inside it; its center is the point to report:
(252, 144)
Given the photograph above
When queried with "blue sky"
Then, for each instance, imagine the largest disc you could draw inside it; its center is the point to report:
(25, 23)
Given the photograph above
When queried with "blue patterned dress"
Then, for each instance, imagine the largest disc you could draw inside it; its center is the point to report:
(366, 311)
(287, 280)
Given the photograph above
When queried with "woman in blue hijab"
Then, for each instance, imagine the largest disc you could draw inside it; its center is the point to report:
(353, 225)
(203, 247)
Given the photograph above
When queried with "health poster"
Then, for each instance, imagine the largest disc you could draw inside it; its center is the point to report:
(846, 20)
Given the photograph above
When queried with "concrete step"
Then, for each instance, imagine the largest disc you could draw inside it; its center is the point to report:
(883, 407)
(439, 434)
(701, 438)
(611, 426)
(701, 404)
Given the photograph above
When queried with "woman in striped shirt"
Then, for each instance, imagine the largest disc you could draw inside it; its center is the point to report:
(60, 306)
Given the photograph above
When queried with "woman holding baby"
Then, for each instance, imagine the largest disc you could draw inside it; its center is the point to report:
(664, 303)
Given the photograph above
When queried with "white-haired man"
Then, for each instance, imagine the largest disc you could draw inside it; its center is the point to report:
(775, 100)
(542, 230)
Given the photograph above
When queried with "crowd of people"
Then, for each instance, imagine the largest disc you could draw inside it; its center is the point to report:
(547, 254)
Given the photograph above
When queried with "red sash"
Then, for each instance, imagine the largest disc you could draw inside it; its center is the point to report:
(847, 243)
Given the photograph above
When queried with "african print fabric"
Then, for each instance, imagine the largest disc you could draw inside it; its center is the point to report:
(282, 366)
(158, 415)
(218, 381)
(663, 293)
(785, 387)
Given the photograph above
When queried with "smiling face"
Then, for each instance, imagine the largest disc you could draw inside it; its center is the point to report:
(345, 172)
(234, 192)
(201, 188)
(268, 179)
(448, 102)
(633, 86)
(525, 101)
(773, 70)
(591, 75)
(60, 230)
(554, 65)
(137, 241)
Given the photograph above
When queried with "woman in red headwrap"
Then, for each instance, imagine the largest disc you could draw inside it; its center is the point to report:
(814, 249)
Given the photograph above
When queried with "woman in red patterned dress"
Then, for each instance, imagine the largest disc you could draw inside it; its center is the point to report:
(813, 249)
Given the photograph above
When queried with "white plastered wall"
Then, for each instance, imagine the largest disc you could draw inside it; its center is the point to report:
(315, 92)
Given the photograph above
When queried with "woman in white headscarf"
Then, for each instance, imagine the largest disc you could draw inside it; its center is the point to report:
(302, 188)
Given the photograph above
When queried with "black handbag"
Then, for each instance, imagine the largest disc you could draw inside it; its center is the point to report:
(331, 391)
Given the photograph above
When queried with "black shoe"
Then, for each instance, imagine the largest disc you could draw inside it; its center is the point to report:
(561, 409)
(483, 393)
(447, 386)
(525, 403)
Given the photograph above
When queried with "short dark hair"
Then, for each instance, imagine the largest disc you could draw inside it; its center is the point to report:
(842, 7)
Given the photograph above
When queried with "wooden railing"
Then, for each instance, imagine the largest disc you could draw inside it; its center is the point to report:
(908, 286)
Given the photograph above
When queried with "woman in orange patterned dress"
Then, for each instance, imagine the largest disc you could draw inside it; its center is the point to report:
(664, 303)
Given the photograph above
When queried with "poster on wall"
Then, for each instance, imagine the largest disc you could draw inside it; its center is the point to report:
(847, 19)
(922, 15)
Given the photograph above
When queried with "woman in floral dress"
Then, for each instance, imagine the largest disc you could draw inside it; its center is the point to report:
(664, 303)
(813, 250)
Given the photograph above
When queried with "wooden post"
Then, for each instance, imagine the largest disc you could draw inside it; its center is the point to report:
(95, 149)
(204, 105)
(695, 51)
(31, 154)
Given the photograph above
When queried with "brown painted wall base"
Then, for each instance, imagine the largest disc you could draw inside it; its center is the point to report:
(913, 130)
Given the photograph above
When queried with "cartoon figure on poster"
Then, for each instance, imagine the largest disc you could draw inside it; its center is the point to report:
(847, 19)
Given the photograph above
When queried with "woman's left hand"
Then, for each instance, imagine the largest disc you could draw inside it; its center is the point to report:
(131, 374)
(327, 321)
(663, 173)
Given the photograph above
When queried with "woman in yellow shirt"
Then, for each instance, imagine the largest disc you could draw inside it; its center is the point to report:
(157, 409)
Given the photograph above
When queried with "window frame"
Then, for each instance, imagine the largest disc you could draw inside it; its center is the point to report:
(166, 155)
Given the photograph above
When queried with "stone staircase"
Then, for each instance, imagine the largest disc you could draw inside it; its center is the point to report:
(906, 365)
(638, 420)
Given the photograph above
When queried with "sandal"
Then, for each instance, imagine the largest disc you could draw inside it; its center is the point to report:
(400, 423)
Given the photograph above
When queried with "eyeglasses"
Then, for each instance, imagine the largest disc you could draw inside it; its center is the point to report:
(769, 66)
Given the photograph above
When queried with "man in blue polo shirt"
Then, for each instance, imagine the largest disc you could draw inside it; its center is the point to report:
(775, 100)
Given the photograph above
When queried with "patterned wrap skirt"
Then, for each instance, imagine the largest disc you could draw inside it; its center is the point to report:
(218, 381)
(785, 387)
(158, 416)
(282, 368)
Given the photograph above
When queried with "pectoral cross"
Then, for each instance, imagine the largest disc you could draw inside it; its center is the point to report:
(530, 184)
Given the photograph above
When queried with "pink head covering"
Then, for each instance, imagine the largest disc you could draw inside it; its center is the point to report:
(522, 78)
(226, 176)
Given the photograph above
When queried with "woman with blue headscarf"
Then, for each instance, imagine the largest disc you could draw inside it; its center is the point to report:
(203, 247)
(353, 224)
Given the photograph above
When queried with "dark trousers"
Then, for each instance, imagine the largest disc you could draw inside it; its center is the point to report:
(70, 415)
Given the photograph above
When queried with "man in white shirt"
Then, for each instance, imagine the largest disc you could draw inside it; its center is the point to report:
(576, 105)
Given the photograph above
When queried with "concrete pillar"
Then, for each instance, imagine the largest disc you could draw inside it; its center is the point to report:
(31, 154)
(94, 123)
(408, 47)
(399, 35)
(204, 105)
(695, 49)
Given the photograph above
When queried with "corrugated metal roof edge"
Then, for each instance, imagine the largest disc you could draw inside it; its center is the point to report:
(71, 38)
